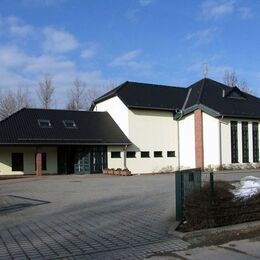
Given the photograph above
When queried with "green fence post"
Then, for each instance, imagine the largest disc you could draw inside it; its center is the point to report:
(179, 195)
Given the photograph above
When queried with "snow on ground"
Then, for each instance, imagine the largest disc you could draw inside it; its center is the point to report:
(247, 187)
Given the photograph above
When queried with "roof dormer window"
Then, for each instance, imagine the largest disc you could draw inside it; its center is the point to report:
(44, 123)
(69, 123)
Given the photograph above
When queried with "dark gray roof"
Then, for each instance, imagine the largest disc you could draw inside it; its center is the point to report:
(91, 128)
(225, 101)
(210, 95)
(147, 96)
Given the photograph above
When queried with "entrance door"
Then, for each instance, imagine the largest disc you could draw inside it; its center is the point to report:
(82, 163)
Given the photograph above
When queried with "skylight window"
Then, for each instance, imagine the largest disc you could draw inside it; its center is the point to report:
(69, 124)
(44, 123)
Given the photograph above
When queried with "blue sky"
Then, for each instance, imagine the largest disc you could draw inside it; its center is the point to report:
(106, 42)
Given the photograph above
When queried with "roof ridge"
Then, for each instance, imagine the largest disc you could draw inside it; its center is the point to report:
(201, 91)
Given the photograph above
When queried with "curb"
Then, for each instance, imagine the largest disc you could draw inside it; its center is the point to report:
(243, 227)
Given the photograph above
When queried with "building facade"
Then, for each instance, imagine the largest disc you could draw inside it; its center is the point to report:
(143, 127)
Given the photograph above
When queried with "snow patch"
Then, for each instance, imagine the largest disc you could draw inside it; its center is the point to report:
(247, 187)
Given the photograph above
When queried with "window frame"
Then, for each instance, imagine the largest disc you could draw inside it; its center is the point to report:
(169, 154)
(74, 125)
(15, 166)
(44, 121)
(112, 155)
(255, 137)
(130, 154)
(145, 154)
(159, 154)
(234, 141)
(245, 142)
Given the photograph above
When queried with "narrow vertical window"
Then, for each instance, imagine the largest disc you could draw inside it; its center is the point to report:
(234, 151)
(255, 142)
(17, 161)
(245, 142)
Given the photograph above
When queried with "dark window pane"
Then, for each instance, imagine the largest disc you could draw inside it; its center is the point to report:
(245, 142)
(17, 161)
(171, 154)
(44, 123)
(234, 150)
(255, 142)
(130, 154)
(145, 154)
(69, 124)
(115, 155)
(157, 154)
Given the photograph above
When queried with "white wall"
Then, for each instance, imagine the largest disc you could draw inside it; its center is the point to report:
(115, 162)
(225, 141)
(187, 142)
(117, 110)
(152, 131)
(211, 142)
(29, 160)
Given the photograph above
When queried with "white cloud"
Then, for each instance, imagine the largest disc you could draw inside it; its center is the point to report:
(11, 57)
(215, 9)
(45, 3)
(145, 2)
(15, 26)
(57, 41)
(125, 58)
(202, 37)
(245, 12)
(129, 60)
(89, 52)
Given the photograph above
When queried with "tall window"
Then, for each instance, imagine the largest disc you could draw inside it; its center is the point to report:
(17, 161)
(234, 151)
(245, 142)
(255, 142)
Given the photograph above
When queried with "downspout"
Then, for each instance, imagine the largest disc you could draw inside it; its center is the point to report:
(179, 116)
(125, 148)
(220, 143)
(178, 138)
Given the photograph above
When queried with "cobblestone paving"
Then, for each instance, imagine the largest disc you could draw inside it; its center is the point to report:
(128, 223)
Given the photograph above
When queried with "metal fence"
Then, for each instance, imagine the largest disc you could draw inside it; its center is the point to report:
(204, 202)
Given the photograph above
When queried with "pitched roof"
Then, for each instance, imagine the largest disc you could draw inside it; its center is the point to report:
(224, 100)
(91, 128)
(147, 96)
(208, 94)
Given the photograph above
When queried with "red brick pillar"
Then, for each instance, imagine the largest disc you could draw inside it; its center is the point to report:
(199, 153)
(38, 159)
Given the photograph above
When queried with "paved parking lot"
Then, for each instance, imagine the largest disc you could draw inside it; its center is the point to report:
(88, 217)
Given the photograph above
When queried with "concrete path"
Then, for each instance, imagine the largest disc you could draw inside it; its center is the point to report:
(88, 217)
(243, 249)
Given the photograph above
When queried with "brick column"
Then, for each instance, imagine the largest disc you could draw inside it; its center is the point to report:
(38, 159)
(199, 153)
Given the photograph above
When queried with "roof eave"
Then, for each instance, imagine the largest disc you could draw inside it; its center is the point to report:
(204, 108)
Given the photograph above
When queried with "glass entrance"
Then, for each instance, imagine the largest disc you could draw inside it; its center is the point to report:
(82, 163)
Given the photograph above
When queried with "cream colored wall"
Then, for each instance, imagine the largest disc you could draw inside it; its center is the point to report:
(211, 142)
(152, 131)
(187, 142)
(115, 162)
(117, 110)
(29, 160)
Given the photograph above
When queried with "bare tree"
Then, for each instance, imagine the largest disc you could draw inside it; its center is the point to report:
(77, 95)
(13, 101)
(231, 79)
(46, 91)
(81, 95)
